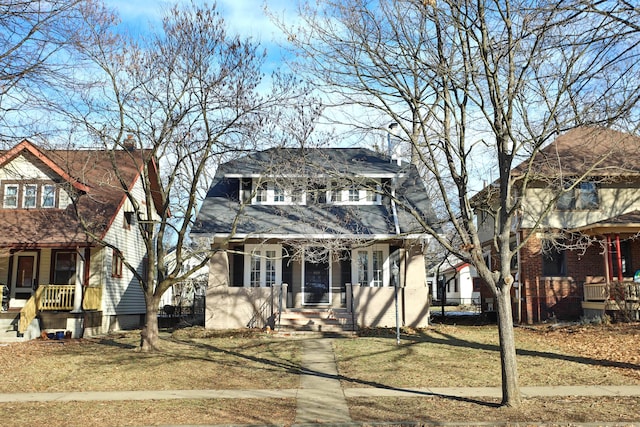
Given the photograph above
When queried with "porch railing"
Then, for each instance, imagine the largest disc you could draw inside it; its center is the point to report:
(57, 298)
(625, 290)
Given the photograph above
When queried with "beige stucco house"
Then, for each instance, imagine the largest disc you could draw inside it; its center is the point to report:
(317, 238)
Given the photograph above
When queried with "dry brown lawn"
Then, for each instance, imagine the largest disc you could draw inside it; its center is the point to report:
(439, 356)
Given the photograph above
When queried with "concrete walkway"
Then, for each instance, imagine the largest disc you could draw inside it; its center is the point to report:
(320, 398)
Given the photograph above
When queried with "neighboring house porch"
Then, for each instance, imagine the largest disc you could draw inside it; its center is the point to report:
(66, 229)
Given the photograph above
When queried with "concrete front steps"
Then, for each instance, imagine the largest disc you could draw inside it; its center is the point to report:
(333, 320)
(9, 326)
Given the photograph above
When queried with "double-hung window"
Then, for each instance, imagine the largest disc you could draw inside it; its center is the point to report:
(64, 270)
(30, 196)
(10, 196)
(48, 196)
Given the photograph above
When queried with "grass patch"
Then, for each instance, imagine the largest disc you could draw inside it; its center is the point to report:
(453, 356)
(438, 410)
(151, 412)
(187, 361)
(441, 356)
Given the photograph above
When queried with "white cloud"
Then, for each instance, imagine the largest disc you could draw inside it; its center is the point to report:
(244, 17)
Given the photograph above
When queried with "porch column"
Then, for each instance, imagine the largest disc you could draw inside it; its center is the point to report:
(609, 260)
(77, 295)
(619, 257)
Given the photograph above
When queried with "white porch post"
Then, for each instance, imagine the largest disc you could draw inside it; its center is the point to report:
(77, 295)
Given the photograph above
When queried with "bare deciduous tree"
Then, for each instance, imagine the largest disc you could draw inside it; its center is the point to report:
(36, 40)
(476, 87)
(190, 97)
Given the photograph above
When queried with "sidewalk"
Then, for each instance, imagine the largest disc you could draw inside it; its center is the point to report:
(320, 397)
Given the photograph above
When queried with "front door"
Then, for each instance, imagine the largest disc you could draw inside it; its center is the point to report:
(316, 289)
(24, 279)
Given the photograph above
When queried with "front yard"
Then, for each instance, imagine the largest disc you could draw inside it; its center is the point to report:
(436, 357)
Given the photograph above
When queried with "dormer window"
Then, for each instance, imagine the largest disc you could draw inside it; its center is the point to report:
(301, 191)
(364, 193)
(272, 193)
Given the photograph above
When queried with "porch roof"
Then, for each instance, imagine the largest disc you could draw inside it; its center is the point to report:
(626, 223)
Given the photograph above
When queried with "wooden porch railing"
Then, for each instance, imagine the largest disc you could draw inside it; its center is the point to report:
(620, 291)
(57, 298)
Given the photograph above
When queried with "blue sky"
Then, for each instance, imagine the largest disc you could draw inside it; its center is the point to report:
(244, 17)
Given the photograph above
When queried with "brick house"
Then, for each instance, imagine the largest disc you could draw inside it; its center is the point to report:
(583, 257)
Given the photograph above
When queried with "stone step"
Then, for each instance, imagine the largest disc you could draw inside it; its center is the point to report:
(315, 320)
(9, 326)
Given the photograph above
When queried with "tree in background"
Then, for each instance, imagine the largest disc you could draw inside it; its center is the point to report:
(190, 96)
(475, 87)
(36, 40)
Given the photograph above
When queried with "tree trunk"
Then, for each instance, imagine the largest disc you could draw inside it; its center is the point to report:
(510, 389)
(149, 334)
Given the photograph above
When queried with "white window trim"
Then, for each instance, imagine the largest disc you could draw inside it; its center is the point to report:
(248, 256)
(42, 197)
(26, 187)
(4, 201)
(386, 266)
(362, 196)
(271, 191)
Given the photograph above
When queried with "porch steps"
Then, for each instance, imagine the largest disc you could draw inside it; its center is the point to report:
(9, 326)
(315, 320)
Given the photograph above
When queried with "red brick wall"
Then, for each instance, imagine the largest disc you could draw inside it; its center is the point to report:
(559, 297)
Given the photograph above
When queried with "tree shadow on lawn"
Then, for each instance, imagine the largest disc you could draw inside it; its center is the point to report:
(298, 369)
(451, 340)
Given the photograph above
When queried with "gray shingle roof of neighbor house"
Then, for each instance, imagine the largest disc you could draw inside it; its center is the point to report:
(221, 210)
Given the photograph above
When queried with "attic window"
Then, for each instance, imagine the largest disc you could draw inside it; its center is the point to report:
(48, 196)
(10, 196)
(30, 196)
(583, 196)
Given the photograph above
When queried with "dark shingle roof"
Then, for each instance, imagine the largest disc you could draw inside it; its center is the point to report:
(221, 211)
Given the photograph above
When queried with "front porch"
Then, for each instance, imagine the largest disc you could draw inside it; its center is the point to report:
(53, 307)
(261, 307)
(621, 299)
